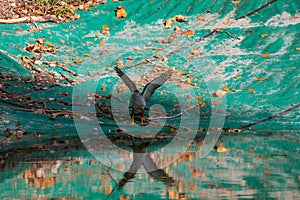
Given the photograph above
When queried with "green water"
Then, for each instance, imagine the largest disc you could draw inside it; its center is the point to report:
(261, 165)
(50, 161)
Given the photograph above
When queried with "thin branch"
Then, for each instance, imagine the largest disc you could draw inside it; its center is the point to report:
(174, 116)
(273, 116)
(256, 10)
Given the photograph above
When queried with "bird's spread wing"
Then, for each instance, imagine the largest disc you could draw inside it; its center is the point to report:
(154, 84)
(130, 84)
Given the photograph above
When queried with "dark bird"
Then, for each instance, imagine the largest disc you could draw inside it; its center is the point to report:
(139, 100)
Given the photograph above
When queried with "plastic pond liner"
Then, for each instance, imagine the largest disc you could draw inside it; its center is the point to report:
(224, 125)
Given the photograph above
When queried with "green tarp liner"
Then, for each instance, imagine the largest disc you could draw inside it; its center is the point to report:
(255, 56)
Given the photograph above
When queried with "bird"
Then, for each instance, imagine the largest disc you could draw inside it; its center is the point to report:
(139, 100)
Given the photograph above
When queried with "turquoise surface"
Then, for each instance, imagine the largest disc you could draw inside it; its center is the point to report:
(263, 162)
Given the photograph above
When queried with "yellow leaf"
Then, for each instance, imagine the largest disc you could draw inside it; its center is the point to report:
(226, 21)
(225, 88)
(118, 63)
(261, 79)
(222, 149)
(198, 97)
(237, 77)
(98, 35)
(251, 90)
(264, 35)
(188, 32)
(298, 48)
(87, 55)
(120, 12)
(49, 44)
(105, 28)
(265, 55)
(101, 42)
(78, 61)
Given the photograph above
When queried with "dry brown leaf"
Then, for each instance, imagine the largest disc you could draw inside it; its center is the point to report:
(222, 149)
(105, 28)
(251, 90)
(118, 63)
(217, 102)
(226, 21)
(225, 88)
(220, 93)
(202, 103)
(168, 23)
(180, 18)
(261, 79)
(78, 61)
(264, 35)
(188, 32)
(49, 44)
(267, 171)
(26, 59)
(265, 55)
(120, 12)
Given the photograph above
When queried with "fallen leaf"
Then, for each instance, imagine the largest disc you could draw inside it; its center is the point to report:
(202, 103)
(168, 23)
(78, 61)
(267, 171)
(198, 97)
(26, 59)
(118, 63)
(237, 77)
(226, 21)
(101, 42)
(105, 28)
(189, 32)
(261, 79)
(298, 48)
(265, 55)
(49, 44)
(264, 35)
(177, 105)
(98, 35)
(217, 102)
(251, 90)
(103, 89)
(87, 55)
(222, 149)
(219, 93)
(180, 18)
(207, 10)
(225, 88)
(120, 12)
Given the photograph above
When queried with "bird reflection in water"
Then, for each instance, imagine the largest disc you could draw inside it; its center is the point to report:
(142, 158)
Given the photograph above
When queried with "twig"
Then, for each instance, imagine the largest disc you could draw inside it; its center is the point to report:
(50, 18)
(107, 171)
(256, 10)
(174, 116)
(273, 116)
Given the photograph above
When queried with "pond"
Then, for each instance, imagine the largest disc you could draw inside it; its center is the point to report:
(263, 165)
